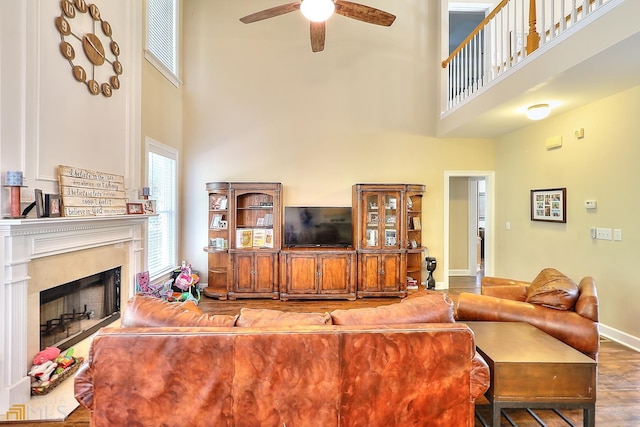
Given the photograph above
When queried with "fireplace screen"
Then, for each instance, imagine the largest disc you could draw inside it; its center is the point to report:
(73, 311)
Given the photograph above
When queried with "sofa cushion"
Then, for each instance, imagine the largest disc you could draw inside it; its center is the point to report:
(259, 317)
(145, 311)
(553, 289)
(432, 307)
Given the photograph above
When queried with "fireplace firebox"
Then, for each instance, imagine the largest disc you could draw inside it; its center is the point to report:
(74, 311)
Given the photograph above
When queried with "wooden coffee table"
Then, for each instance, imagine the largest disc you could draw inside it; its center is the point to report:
(531, 369)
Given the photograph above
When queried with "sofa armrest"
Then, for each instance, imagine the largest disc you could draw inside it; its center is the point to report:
(587, 304)
(569, 327)
(504, 288)
(480, 376)
(83, 386)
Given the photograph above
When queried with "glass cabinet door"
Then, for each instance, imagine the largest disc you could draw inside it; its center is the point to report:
(382, 221)
(372, 220)
(390, 209)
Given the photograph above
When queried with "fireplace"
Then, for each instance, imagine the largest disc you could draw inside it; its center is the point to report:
(40, 254)
(73, 311)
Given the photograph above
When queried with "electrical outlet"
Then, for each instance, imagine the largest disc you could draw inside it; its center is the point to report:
(603, 233)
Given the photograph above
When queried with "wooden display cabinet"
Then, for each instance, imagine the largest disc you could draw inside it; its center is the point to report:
(317, 273)
(384, 235)
(254, 239)
(415, 250)
(218, 240)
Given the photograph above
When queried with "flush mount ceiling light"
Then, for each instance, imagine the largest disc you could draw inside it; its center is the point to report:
(317, 10)
(538, 111)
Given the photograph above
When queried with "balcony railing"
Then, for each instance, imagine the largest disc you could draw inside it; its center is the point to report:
(513, 30)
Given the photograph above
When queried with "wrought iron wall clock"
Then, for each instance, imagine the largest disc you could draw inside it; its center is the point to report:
(81, 27)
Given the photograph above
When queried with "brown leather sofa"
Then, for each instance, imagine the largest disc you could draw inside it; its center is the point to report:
(168, 365)
(568, 313)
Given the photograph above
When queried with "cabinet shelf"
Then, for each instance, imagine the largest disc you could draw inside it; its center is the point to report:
(213, 250)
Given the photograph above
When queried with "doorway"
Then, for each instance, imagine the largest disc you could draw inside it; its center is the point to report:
(468, 224)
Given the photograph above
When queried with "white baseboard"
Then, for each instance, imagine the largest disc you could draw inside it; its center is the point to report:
(620, 337)
(460, 273)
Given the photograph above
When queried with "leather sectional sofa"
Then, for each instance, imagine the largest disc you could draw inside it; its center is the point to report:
(171, 365)
(552, 302)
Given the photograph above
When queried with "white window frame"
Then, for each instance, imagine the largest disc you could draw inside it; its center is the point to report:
(153, 146)
(171, 75)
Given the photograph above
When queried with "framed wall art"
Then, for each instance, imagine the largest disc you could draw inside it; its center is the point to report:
(549, 205)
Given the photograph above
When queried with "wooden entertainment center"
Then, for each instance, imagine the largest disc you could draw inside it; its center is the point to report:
(247, 257)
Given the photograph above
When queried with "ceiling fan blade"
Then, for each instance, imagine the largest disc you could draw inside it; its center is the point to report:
(318, 32)
(364, 13)
(272, 12)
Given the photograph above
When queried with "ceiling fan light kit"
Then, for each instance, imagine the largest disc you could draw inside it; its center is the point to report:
(318, 11)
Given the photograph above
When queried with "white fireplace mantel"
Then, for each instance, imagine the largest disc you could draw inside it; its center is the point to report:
(25, 240)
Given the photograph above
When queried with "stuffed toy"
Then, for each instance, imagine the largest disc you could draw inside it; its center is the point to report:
(46, 355)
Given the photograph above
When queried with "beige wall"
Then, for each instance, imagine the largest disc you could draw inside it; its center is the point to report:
(161, 109)
(161, 104)
(459, 223)
(258, 105)
(48, 118)
(604, 167)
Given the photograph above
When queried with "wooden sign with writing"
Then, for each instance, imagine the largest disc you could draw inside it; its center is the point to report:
(90, 193)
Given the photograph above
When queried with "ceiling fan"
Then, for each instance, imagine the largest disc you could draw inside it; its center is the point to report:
(318, 11)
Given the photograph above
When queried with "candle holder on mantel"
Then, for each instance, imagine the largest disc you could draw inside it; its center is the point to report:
(15, 182)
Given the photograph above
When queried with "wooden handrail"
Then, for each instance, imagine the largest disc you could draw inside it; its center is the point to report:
(475, 31)
(532, 38)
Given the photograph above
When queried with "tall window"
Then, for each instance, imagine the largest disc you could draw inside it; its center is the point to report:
(162, 37)
(162, 173)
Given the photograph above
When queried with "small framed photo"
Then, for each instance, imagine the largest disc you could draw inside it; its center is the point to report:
(413, 244)
(39, 203)
(215, 221)
(223, 225)
(549, 205)
(149, 207)
(134, 208)
(52, 205)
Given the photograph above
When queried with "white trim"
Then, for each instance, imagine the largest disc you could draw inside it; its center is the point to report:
(151, 145)
(134, 99)
(472, 227)
(489, 250)
(461, 272)
(470, 7)
(620, 337)
(158, 65)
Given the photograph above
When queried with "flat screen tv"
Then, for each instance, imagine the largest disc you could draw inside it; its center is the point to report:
(317, 226)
